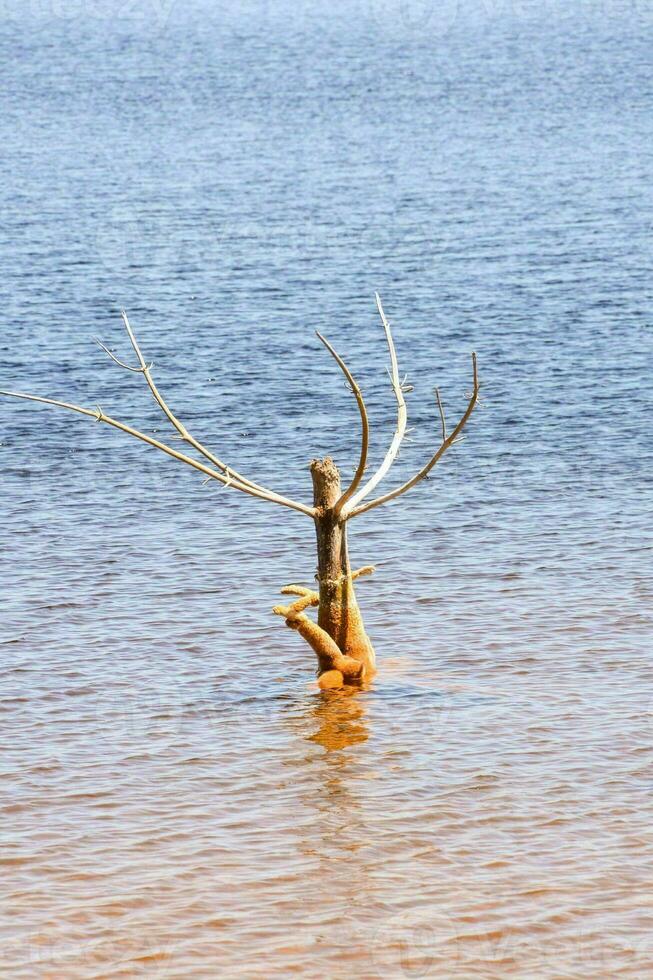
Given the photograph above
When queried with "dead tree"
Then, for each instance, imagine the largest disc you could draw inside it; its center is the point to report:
(344, 652)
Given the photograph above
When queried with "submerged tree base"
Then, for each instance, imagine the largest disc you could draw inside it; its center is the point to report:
(354, 661)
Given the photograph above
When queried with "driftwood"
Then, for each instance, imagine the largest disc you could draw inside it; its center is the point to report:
(344, 652)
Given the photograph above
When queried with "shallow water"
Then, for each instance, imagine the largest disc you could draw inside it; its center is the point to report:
(178, 800)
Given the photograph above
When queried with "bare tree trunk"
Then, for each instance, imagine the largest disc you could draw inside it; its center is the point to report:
(338, 612)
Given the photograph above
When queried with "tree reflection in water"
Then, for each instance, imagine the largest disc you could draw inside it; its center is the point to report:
(341, 716)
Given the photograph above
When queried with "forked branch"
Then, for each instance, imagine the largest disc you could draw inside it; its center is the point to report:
(99, 416)
(446, 442)
(330, 656)
(218, 471)
(146, 370)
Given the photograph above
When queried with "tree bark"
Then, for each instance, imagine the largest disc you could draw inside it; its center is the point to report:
(338, 611)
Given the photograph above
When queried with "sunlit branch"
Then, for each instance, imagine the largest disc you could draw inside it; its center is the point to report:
(436, 456)
(365, 428)
(402, 417)
(365, 570)
(236, 478)
(99, 416)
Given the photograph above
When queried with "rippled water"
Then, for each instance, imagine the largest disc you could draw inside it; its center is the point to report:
(178, 800)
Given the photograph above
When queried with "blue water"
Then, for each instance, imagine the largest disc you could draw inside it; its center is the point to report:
(178, 800)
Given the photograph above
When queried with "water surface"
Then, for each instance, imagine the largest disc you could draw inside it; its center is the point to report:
(178, 800)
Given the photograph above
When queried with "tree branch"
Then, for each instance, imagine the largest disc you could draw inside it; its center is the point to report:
(402, 417)
(365, 570)
(301, 590)
(99, 416)
(436, 456)
(365, 428)
(145, 369)
(329, 653)
(127, 367)
(290, 612)
(442, 416)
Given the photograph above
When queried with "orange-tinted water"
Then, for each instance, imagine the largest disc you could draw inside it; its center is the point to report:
(178, 823)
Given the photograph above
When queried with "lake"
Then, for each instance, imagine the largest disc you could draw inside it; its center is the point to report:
(178, 798)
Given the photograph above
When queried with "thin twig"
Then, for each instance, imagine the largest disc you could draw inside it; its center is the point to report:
(442, 418)
(127, 367)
